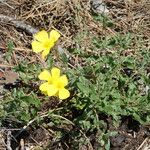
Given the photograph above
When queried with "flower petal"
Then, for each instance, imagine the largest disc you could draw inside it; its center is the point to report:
(44, 87)
(52, 90)
(37, 46)
(45, 75)
(44, 92)
(41, 36)
(64, 93)
(55, 72)
(54, 35)
(63, 79)
(45, 53)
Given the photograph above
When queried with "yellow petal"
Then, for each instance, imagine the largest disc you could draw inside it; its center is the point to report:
(41, 36)
(45, 75)
(47, 44)
(45, 53)
(52, 90)
(64, 93)
(63, 79)
(44, 92)
(37, 46)
(44, 87)
(54, 35)
(55, 72)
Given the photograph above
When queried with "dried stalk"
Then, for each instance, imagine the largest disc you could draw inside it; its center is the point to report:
(18, 24)
(9, 140)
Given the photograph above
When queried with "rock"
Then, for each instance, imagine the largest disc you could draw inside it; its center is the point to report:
(99, 7)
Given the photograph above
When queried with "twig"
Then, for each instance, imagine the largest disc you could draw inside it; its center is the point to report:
(31, 121)
(143, 143)
(9, 140)
(17, 49)
(2, 142)
(12, 129)
(6, 66)
(4, 2)
(18, 24)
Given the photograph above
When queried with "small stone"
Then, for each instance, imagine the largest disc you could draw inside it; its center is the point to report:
(99, 7)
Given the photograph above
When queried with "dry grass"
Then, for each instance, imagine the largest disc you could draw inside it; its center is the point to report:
(74, 17)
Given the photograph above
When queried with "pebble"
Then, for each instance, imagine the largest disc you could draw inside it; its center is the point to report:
(99, 7)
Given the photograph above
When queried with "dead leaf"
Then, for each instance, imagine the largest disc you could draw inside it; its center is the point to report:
(10, 76)
(1, 75)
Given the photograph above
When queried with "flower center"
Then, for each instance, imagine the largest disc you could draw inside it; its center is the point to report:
(46, 44)
(59, 85)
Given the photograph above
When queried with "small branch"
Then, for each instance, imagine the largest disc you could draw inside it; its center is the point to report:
(4, 2)
(9, 140)
(143, 143)
(18, 24)
(6, 66)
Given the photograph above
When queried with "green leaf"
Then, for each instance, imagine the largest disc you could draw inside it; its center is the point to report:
(25, 116)
(31, 100)
(107, 145)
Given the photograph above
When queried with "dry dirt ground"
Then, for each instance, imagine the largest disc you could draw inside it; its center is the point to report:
(19, 19)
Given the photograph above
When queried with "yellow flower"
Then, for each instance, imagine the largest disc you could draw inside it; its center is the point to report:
(55, 85)
(44, 41)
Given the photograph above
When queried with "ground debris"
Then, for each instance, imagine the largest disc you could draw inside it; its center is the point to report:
(99, 7)
(2, 141)
(18, 24)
